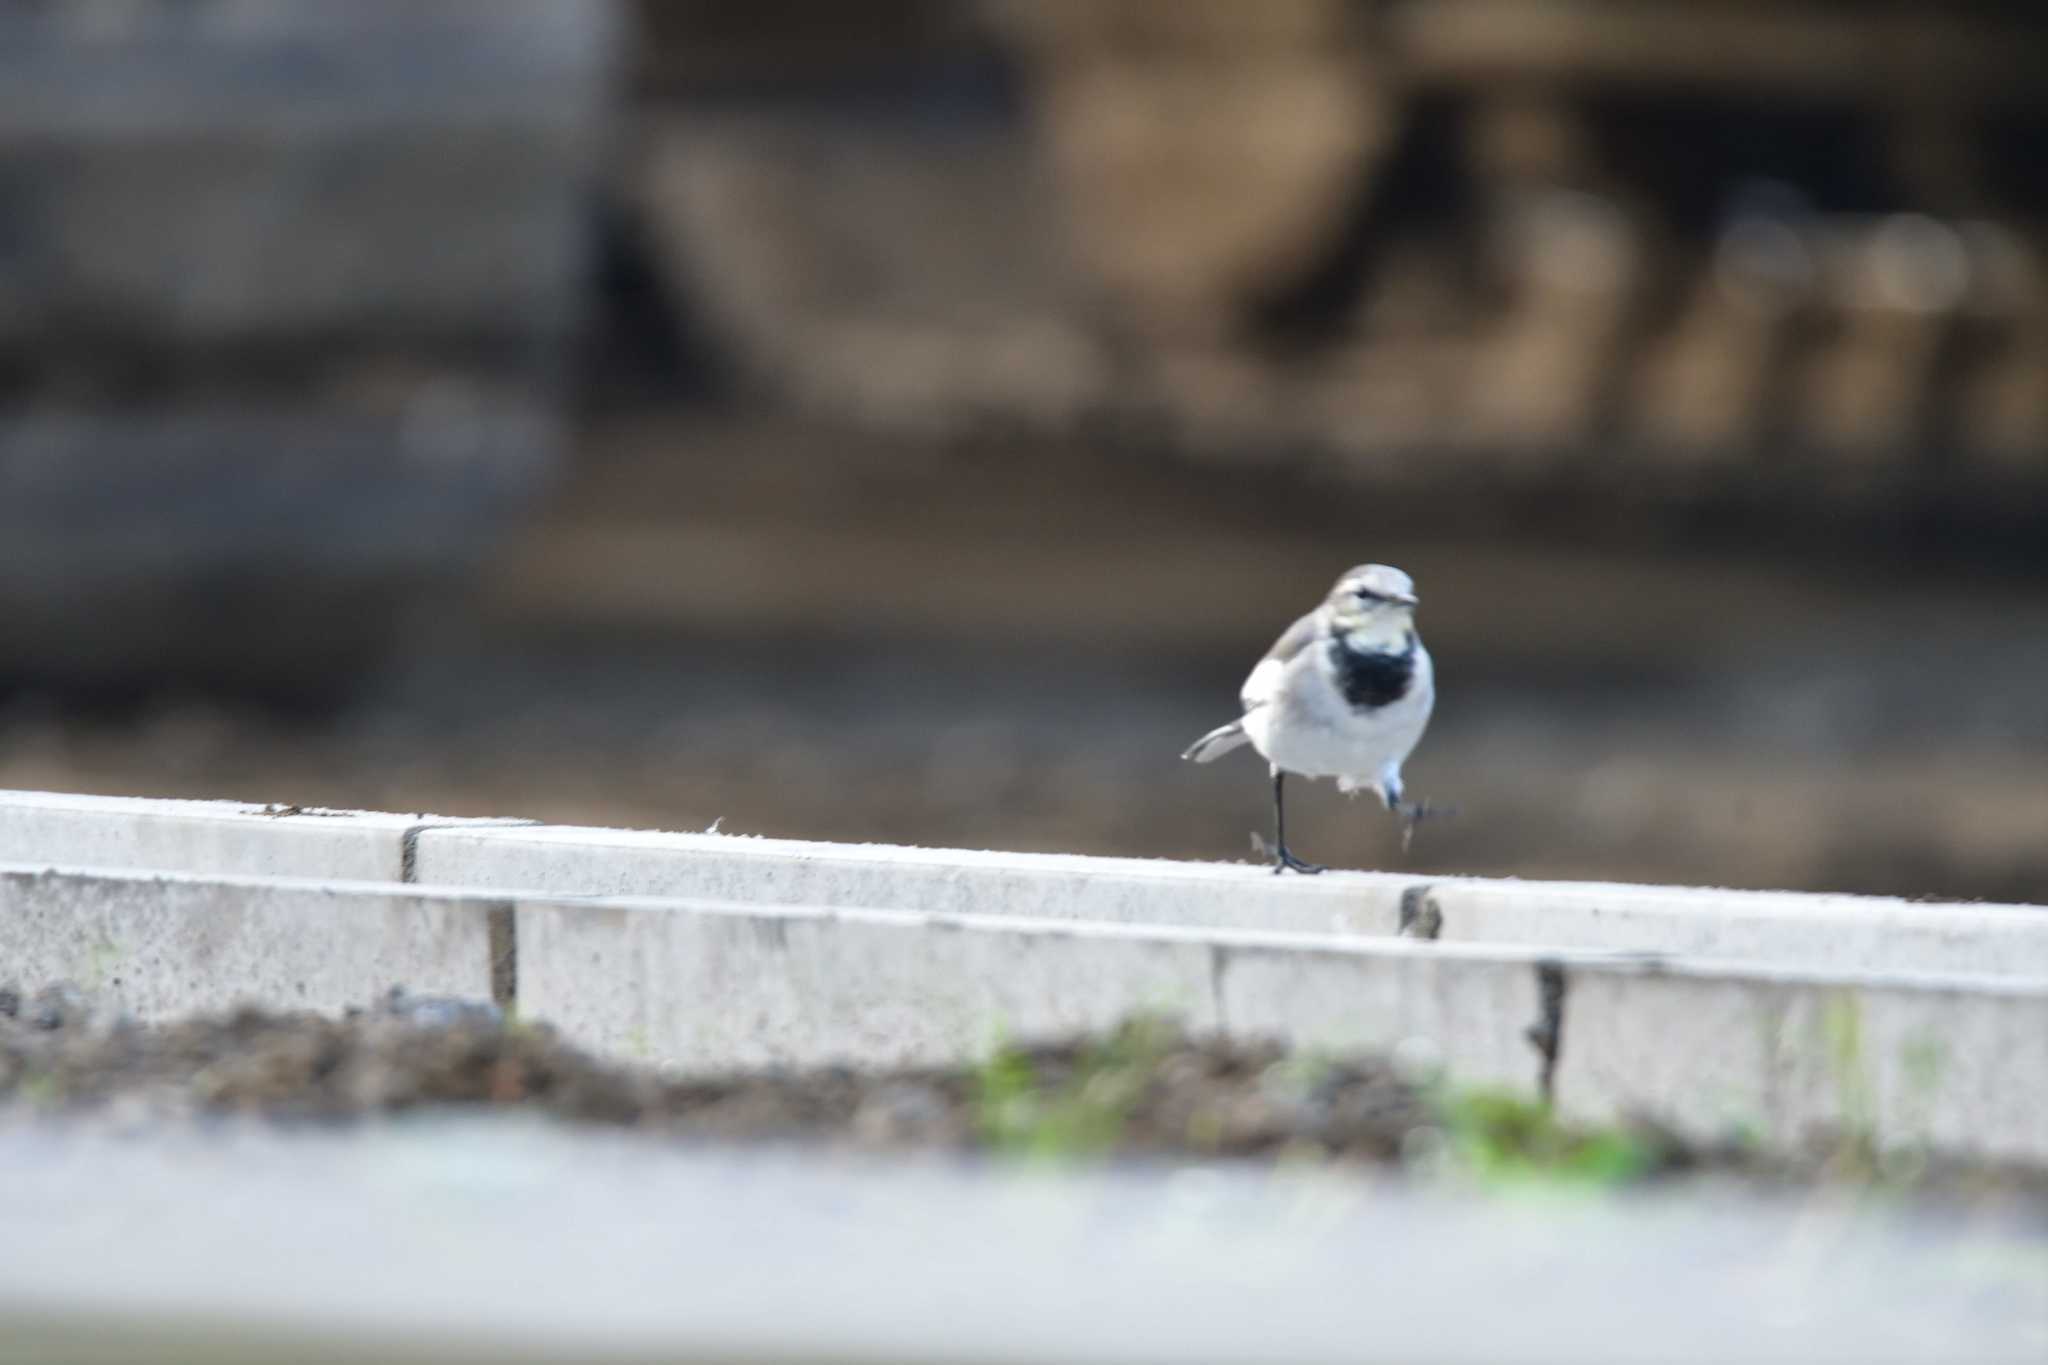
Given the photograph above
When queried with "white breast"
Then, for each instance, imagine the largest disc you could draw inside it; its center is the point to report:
(1307, 727)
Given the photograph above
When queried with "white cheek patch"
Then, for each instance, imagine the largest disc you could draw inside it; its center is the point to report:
(1262, 684)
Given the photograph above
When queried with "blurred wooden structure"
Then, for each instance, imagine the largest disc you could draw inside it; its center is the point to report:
(1692, 246)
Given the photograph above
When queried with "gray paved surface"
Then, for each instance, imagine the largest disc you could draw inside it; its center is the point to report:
(443, 1239)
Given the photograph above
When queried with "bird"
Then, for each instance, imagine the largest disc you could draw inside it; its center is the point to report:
(1345, 692)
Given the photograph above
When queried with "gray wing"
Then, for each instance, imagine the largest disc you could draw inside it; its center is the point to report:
(1265, 678)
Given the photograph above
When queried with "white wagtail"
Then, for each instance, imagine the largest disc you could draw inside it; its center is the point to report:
(1344, 693)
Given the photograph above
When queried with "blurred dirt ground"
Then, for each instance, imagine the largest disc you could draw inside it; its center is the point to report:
(787, 630)
(1145, 1089)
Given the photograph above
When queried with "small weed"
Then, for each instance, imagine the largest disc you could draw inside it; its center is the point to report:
(40, 1090)
(1500, 1136)
(1022, 1112)
(1856, 1153)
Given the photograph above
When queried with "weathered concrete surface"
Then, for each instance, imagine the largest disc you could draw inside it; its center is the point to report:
(1841, 933)
(162, 946)
(1951, 1061)
(463, 1241)
(703, 985)
(884, 876)
(1714, 1050)
(1948, 1064)
(222, 838)
(1848, 933)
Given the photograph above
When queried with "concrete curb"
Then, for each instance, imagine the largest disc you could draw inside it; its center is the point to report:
(1787, 1055)
(1843, 933)
(224, 838)
(1713, 1049)
(1847, 933)
(162, 946)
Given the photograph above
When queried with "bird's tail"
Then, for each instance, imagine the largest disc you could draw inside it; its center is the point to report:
(1217, 742)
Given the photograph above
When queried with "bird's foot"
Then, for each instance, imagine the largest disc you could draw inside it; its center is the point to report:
(1284, 859)
(1413, 813)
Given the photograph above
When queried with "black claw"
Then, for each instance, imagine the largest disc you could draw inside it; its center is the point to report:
(1284, 858)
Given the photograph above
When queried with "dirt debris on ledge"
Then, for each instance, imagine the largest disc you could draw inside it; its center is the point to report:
(1145, 1089)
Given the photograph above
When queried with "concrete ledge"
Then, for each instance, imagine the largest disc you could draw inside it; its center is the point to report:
(1935, 1062)
(222, 838)
(159, 947)
(1858, 933)
(1951, 1061)
(1711, 1049)
(1843, 933)
(698, 985)
(560, 858)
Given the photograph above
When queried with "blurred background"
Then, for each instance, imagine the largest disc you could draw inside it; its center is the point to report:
(909, 420)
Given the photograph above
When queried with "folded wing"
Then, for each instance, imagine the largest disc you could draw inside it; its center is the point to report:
(1258, 690)
(1265, 678)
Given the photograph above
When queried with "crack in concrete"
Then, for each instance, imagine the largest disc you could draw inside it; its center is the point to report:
(501, 925)
(1219, 962)
(501, 922)
(1547, 1033)
(409, 852)
(409, 842)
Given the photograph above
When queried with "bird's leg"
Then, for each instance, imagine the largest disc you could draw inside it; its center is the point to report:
(1282, 858)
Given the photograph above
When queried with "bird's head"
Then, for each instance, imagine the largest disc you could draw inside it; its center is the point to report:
(1374, 605)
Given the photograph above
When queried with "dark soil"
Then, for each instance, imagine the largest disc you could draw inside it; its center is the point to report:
(1146, 1089)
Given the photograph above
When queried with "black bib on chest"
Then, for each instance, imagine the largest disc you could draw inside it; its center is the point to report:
(1372, 677)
